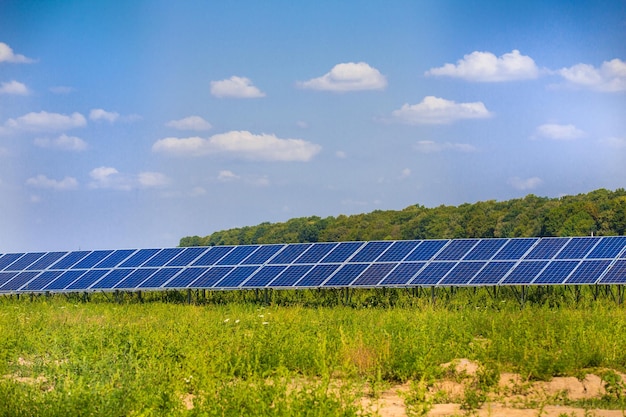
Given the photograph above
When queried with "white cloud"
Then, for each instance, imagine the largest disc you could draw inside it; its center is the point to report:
(558, 132)
(63, 142)
(44, 121)
(7, 55)
(525, 184)
(486, 67)
(341, 154)
(197, 192)
(235, 87)
(41, 181)
(100, 114)
(434, 110)
(405, 173)
(110, 178)
(150, 179)
(190, 123)
(240, 144)
(429, 146)
(610, 77)
(14, 88)
(348, 76)
(226, 175)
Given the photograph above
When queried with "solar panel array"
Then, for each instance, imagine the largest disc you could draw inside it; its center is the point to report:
(402, 263)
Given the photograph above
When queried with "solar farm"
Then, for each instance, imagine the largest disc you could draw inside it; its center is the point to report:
(375, 264)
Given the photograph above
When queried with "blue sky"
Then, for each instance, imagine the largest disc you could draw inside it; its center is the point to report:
(133, 124)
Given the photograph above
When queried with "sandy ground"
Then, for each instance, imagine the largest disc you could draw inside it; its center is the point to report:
(513, 397)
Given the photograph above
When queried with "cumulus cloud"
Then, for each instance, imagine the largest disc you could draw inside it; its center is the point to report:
(435, 110)
(486, 67)
(350, 76)
(226, 175)
(196, 123)
(525, 184)
(44, 121)
(63, 142)
(558, 132)
(240, 144)
(610, 77)
(235, 87)
(7, 55)
(149, 179)
(429, 146)
(110, 178)
(41, 181)
(14, 88)
(100, 114)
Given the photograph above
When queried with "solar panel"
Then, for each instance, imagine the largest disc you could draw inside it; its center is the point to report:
(452, 262)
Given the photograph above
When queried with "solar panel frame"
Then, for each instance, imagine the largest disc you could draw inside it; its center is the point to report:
(342, 252)
(402, 274)
(345, 275)
(70, 259)
(427, 250)
(432, 274)
(370, 251)
(456, 250)
(556, 272)
(578, 247)
(515, 249)
(290, 253)
(525, 272)
(92, 259)
(615, 274)
(24, 261)
(188, 256)
(9, 258)
(291, 275)
(45, 261)
(399, 250)
(463, 273)
(608, 247)
(485, 249)
(588, 272)
(374, 274)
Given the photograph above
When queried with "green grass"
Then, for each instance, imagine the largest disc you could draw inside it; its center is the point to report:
(60, 357)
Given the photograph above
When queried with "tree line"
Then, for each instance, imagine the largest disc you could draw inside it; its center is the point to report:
(601, 212)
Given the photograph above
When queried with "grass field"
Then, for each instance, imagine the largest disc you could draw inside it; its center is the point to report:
(235, 356)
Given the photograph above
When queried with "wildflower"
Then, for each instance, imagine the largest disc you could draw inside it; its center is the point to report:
(236, 321)
(261, 315)
(266, 322)
(226, 321)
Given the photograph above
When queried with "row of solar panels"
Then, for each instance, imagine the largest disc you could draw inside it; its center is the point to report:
(454, 262)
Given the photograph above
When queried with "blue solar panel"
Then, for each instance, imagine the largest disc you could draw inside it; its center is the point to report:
(135, 278)
(262, 255)
(64, 280)
(616, 274)
(609, 247)
(47, 260)
(6, 277)
(92, 259)
(68, 261)
(87, 279)
(370, 252)
(210, 277)
(492, 273)
(42, 280)
(588, 272)
(345, 275)
(578, 247)
(317, 275)
(290, 253)
(398, 251)
(556, 273)
(237, 255)
(462, 273)
(315, 253)
(403, 273)
(236, 276)
(186, 277)
(456, 250)
(159, 278)
(515, 249)
(426, 250)
(111, 279)
(115, 258)
(264, 276)
(213, 255)
(290, 276)
(374, 274)
(8, 259)
(547, 248)
(433, 272)
(24, 261)
(19, 280)
(342, 252)
(525, 272)
(187, 257)
(139, 258)
(163, 257)
(485, 249)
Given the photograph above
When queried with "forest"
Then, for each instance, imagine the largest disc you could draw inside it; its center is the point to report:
(601, 212)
